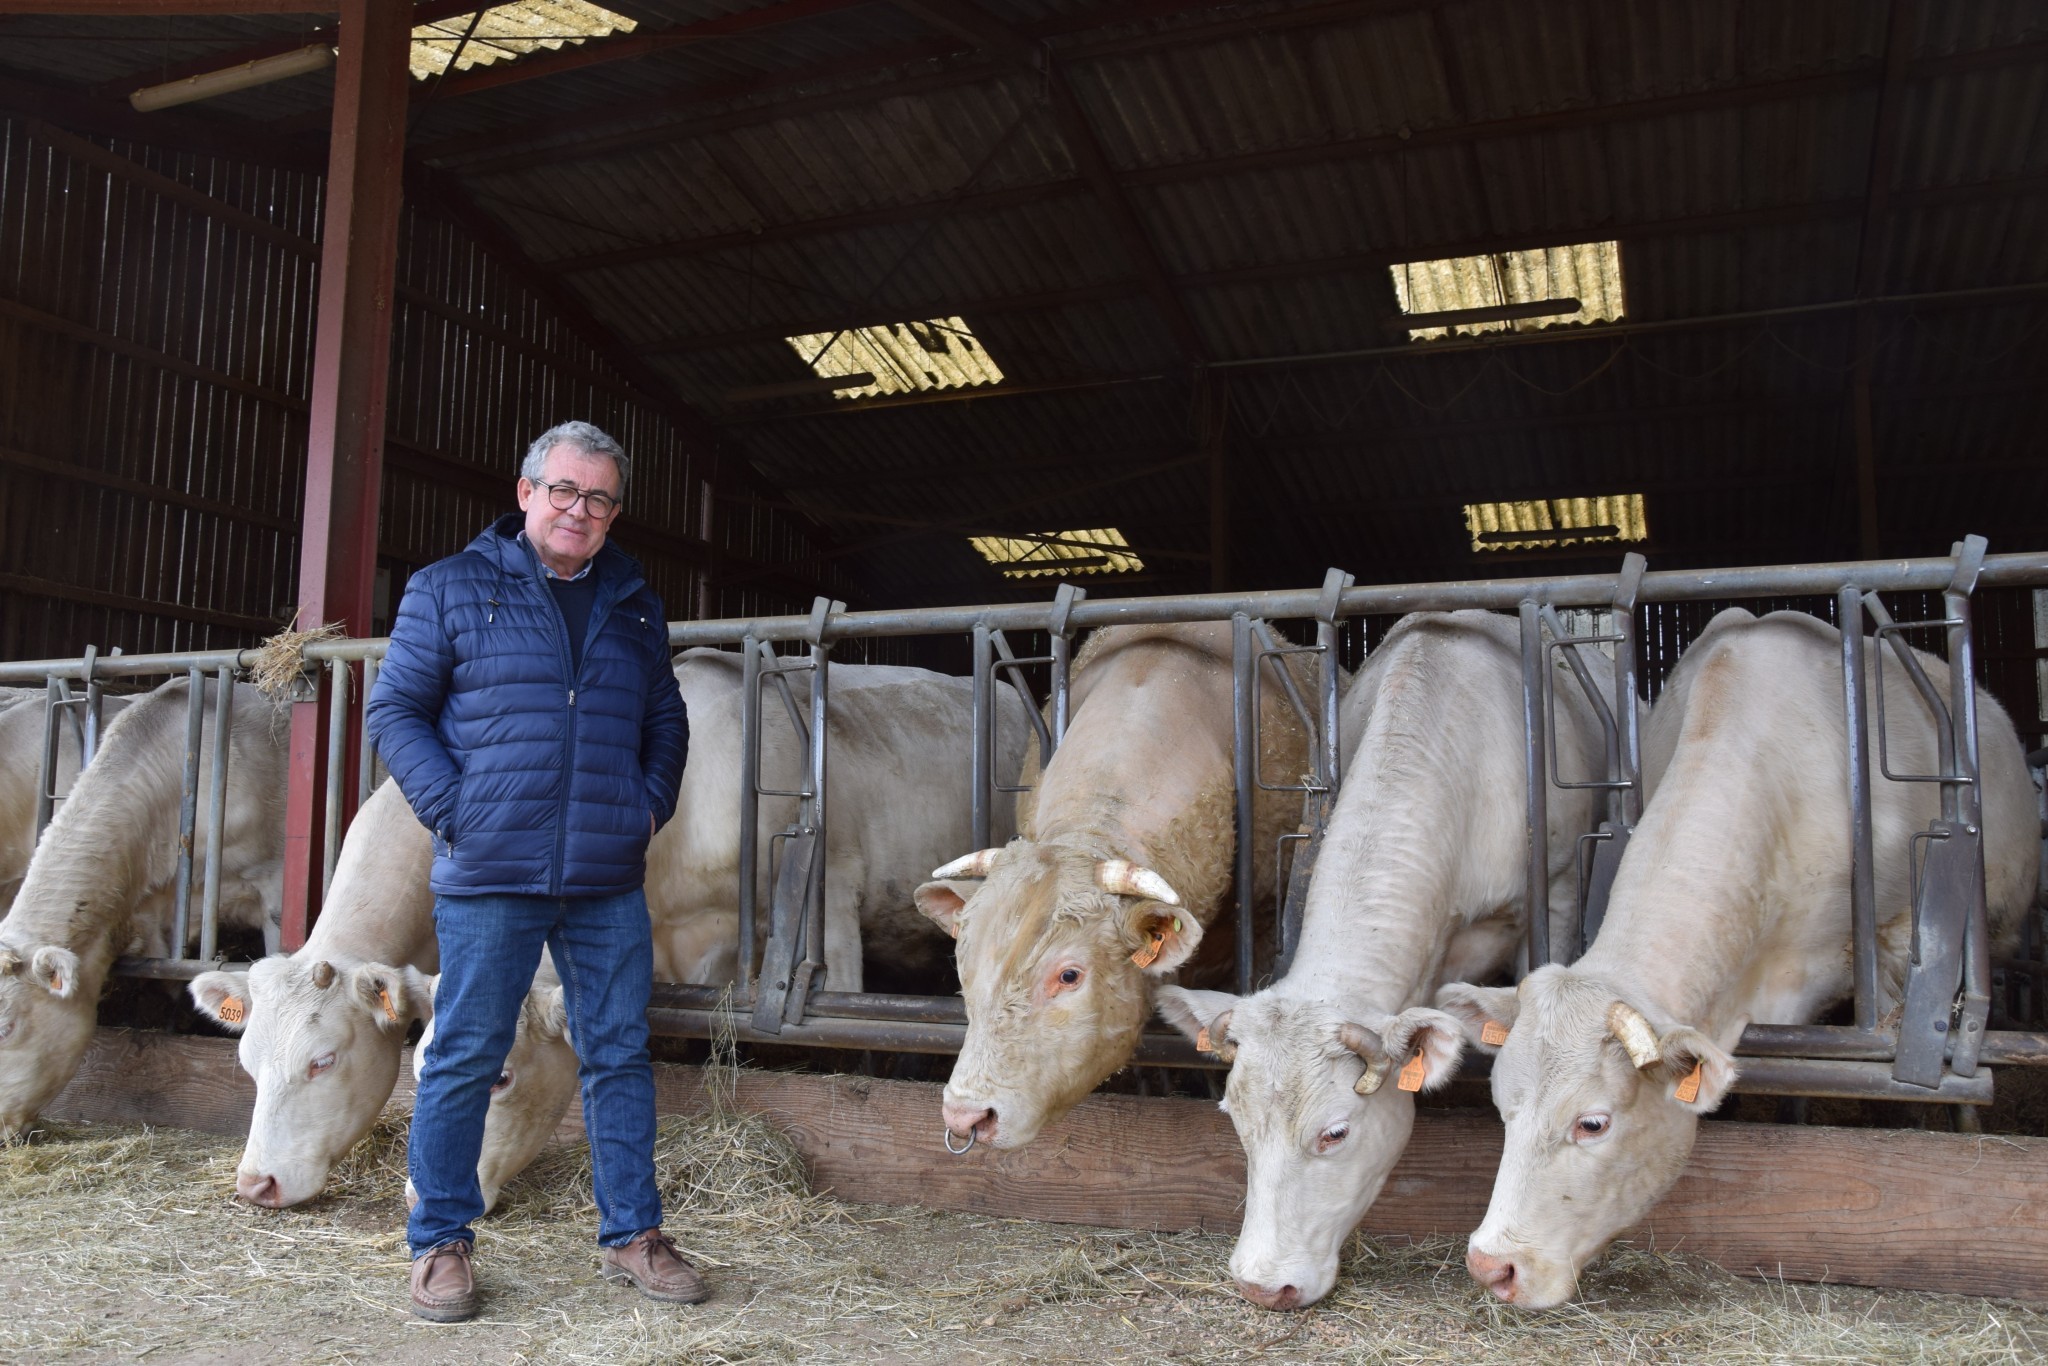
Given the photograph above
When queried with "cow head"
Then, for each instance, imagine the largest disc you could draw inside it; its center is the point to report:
(1058, 951)
(527, 1100)
(1601, 1110)
(322, 1045)
(46, 1022)
(1320, 1098)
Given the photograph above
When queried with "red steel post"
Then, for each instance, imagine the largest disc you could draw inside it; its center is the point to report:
(351, 369)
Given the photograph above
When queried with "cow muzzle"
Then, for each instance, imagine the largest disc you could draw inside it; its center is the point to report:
(974, 1123)
(259, 1188)
(1280, 1297)
(1497, 1274)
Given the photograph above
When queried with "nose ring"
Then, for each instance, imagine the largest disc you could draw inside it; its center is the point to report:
(947, 1136)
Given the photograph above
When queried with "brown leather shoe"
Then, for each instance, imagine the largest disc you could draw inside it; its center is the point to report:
(651, 1262)
(443, 1290)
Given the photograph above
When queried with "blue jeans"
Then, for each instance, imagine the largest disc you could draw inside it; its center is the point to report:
(490, 948)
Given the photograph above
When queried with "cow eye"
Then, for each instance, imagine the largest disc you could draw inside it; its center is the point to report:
(1069, 977)
(320, 1064)
(1331, 1137)
(504, 1080)
(1592, 1125)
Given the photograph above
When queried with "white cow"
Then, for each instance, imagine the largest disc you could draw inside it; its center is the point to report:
(1128, 855)
(1422, 877)
(102, 879)
(908, 726)
(21, 760)
(1731, 906)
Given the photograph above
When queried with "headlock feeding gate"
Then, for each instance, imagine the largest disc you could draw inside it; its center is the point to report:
(1933, 1045)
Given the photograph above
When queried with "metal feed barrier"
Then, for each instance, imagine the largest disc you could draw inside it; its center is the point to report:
(1935, 1049)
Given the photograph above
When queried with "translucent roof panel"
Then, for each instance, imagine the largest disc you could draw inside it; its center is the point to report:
(506, 33)
(1536, 523)
(939, 353)
(1589, 272)
(1102, 550)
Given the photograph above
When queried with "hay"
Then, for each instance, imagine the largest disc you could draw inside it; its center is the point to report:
(279, 661)
(126, 1242)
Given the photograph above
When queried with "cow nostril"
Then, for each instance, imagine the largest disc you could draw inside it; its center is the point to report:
(986, 1125)
(1286, 1297)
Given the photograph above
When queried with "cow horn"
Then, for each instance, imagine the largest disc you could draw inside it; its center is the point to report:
(1369, 1046)
(1627, 1024)
(976, 864)
(323, 974)
(1126, 878)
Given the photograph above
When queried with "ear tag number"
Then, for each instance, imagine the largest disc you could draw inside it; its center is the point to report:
(384, 999)
(1202, 1040)
(1493, 1034)
(1689, 1088)
(1412, 1073)
(231, 1010)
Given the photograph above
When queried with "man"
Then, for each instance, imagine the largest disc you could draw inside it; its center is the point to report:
(528, 711)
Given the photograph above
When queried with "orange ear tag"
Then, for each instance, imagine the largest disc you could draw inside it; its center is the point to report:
(230, 1010)
(1689, 1088)
(384, 999)
(57, 985)
(1149, 954)
(1493, 1034)
(1412, 1073)
(1202, 1040)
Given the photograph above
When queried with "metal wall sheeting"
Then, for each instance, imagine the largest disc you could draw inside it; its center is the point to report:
(154, 369)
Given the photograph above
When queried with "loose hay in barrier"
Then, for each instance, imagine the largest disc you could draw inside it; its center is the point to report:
(123, 1243)
(277, 663)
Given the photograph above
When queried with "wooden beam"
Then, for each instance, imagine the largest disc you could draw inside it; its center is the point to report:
(157, 493)
(122, 602)
(120, 346)
(1904, 1210)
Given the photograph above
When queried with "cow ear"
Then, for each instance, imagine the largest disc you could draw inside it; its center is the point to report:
(222, 997)
(1486, 1014)
(1165, 937)
(1433, 1038)
(944, 900)
(1693, 1069)
(395, 997)
(1196, 1013)
(550, 1013)
(55, 970)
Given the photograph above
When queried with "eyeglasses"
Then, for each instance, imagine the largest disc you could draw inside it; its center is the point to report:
(562, 497)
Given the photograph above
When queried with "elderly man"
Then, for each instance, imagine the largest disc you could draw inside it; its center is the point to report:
(528, 712)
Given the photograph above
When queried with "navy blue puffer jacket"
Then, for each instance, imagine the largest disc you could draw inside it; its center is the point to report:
(532, 780)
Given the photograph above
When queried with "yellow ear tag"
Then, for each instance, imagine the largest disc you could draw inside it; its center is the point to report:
(384, 999)
(230, 1010)
(1689, 1088)
(1202, 1040)
(1412, 1073)
(1493, 1034)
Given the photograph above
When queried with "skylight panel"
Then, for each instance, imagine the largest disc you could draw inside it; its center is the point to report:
(506, 33)
(900, 358)
(1589, 272)
(1102, 550)
(1538, 523)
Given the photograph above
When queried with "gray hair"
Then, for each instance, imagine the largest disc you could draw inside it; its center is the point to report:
(581, 435)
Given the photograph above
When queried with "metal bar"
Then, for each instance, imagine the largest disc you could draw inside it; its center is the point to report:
(366, 770)
(1975, 1008)
(750, 802)
(981, 758)
(217, 814)
(1017, 680)
(1853, 1081)
(1627, 717)
(1571, 651)
(337, 764)
(46, 778)
(1244, 756)
(1892, 632)
(1863, 873)
(1060, 626)
(814, 901)
(188, 808)
(1535, 790)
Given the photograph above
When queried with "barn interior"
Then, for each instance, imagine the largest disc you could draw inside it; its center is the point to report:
(1133, 284)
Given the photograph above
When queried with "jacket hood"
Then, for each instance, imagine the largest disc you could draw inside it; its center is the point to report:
(499, 543)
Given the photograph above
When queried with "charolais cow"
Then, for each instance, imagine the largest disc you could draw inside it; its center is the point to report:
(1421, 878)
(21, 766)
(325, 1062)
(1127, 854)
(102, 877)
(1730, 906)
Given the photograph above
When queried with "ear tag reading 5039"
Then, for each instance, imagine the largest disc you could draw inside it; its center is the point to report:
(1412, 1073)
(230, 1010)
(1689, 1087)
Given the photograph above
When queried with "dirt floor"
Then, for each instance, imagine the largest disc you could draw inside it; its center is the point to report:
(125, 1244)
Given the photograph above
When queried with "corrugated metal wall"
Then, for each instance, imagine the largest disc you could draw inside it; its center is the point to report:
(156, 322)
